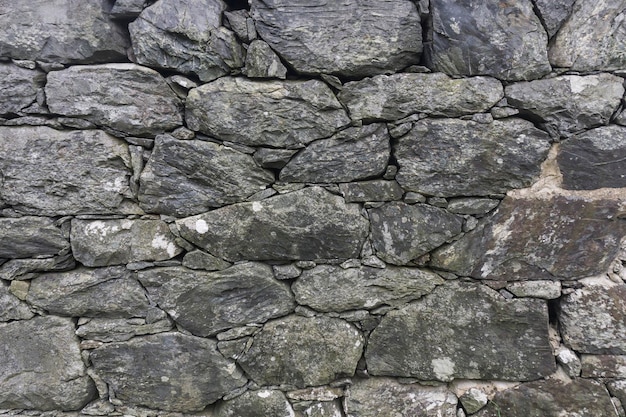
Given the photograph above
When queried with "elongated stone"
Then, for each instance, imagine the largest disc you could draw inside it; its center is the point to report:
(120, 330)
(254, 403)
(374, 190)
(31, 236)
(19, 87)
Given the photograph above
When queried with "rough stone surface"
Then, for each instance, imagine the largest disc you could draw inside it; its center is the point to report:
(262, 62)
(273, 158)
(547, 290)
(11, 308)
(603, 366)
(374, 190)
(120, 330)
(618, 389)
(197, 259)
(472, 206)
(31, 236)
(254, 403)
(127, 9)
(463, 330)
(554, 13)
(19, 87)
(21, 269)
(473, 400)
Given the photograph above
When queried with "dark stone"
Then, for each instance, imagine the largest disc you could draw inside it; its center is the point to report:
(29, 236)
(197, 259)
(273, 158)
(472, 206)
(120, 330)
(554, 13)
(374, 190)
(23, 268)
(19, 87)
(603, 366)
(262, 62)
(11, 307)
(127, 9)
(264, 402)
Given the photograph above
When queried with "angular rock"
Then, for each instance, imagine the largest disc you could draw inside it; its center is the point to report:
(201, 260)
(22, 269)
(168, 371)
(472, 206)
(296, 351)
(30, 236)
(254, 403)
(74, 172)
(120, 330)
(183, 178)
(473, 400)
(313, 38)
(324, 409)
(273, 113)
(262, 62)
(436, 156)
(207, 303)
(332, 288)
(242, 24)
(127, 98)
(534, 238)
(554, 13)
(273, 158)
(41, 367)
(186, 36)
(58, 31)
(352, 154)
(403, 232)
(618, 389)
(127, 9)
(548, 290)
(11, 308)
(463, 331)
(19, 87)
(115, 242)
(569, 103)
(307, 224)
(393, 97)
(603, 366)
(374, 190)
(504, 40)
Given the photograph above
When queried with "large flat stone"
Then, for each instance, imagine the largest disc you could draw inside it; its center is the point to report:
(19, 87)
(31, 236)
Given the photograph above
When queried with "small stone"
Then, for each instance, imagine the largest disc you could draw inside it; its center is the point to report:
(473, 400)
(201, 260)
(283, 272)
(273, 158)
(554, 13)
(241, 23)
(262, 62)
(413, 198)
(484, 118)
(19, 289)
(238, 333)
(503, 112)
(11, 306)
(472, 206)
(470, 224)
(30, 236)
(316, 394)
(390, 172)
(437, 202)
(20, 87)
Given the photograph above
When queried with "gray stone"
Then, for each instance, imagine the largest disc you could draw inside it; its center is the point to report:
(242, 24)
(11, 307)
(20, 269)
(402, 232)
(115, 242)
(127, 9)
(264, 402)
(120, 330)
(186, 36)
(41, 367)
(307, 224)
(569, 103)
(312, 38)
(374, 397)
(570, 362)
(58, 31)
(325, 393)
(352, 154)
(554, 13)
(262, 62)
(201, 260)
(168, 371)
(55, 173)
(548, 290)
(332, 288)
(592, 38)
(273, 158)
(504, 40)
(30, 236)
(436, 156)
(603, 366)
(19, 88)
(393, 97)
(463, 331)
(618, 389)
(374, 190)
(102, 292)
(289, 271)
(273, 113)
(297, 352)
(207, 303)
(183, 178)
(322, 409)
(472, 206)
(127, 98)
(473, 400)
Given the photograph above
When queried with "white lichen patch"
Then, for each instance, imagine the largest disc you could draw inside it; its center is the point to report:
(443, 368)
(257, 206)
(201, 226)
(162, 242)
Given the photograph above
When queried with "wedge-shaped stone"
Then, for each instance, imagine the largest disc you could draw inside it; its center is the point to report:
(21, 269)
(374, 190)
(183, 178)
(11, 307)
(554, 13)
(41, 367)
(168, 371)
(313, 39)
(30, 236)
(121, 330)
(463, 331)
(127, 98)
(19, 87)
(254, 403)
(307, 224)
(450, 158)
(298, 352)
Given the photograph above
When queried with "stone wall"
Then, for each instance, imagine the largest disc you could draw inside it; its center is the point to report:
(312, 208)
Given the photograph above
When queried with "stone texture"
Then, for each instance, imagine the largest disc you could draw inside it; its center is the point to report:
(183, 178)
(262, 62)
(393, 97)
(197, 259)
(554, 13)
(403, 232)
(436, 156)
(323, 409)
(127, 9)
(20, 269)
(472, 206)
(374, 190)
(54, 173)
(473, 400)
(115, 242)
(603, 366)
(352, 154)
(31, 236)
(332, 288)
(312, 37)
(296, 351)
(548, 290)
(254, 403)
(41, 366)
(273, 158)
(127, 98)
(303, 225)
(19, 87)
(466, 331)
(120, 330)
(207, 303)
(168, 371)
(273, 113)
(11, 308)
(618, 389)
(504, 40)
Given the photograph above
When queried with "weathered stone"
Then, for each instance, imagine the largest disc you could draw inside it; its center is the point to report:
(296, 351)
(323, 409)
(504, 40)
(374, 190)
(127, 98)
(473, 400)
(127, 9)
(29, 236)
(463, 330)
(603, 366)
(393, 97)
(273, 158)
(307, 224)
(168, 371)
(289, 271)
(547, 290)
(41, 367)
(242, 24)
(19, 87)
(569, 103)
(472, 206)
(115, 242)
(55, 173)
(402, 232)
(592, 38)
(436, 156)
(570, 362)
(262, 62)
(374, 397)
(20, 269)
(254, 403)
(207, 303)
(535, 238)
(201, 260)
(102, 292)
(352, 154)
(324, 393)
(553, 13)
(274, 113)
(11, 308)
(618, 389)
(313, 38)
(332, 288)
(58, 31)
(120, 330)
(186, 36)
(594, 159)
